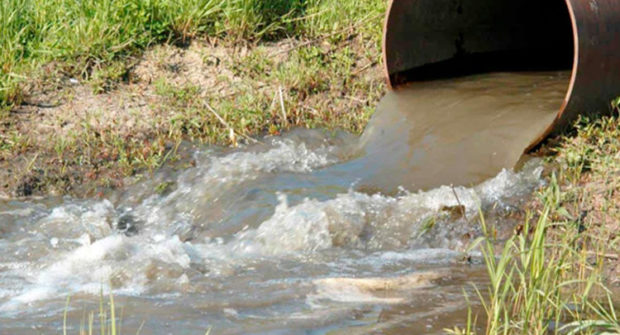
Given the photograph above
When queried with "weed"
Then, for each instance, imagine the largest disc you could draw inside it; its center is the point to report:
(552, 277)
(615, 105)
(109, 323)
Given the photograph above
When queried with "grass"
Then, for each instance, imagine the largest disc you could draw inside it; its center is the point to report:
(108, 323)
(91, 39)
(552, 276)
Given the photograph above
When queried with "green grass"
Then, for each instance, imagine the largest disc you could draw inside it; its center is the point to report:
(49, 39)
(108, 323)
(551, 277)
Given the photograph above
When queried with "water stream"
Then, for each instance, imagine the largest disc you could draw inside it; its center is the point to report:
(313, 232)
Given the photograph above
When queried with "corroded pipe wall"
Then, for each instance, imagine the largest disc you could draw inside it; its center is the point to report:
(431, 39)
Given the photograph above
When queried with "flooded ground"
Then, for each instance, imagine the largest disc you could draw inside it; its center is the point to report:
(291, 236)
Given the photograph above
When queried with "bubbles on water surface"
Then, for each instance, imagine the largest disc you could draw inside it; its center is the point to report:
(154, 244)
(283, 232)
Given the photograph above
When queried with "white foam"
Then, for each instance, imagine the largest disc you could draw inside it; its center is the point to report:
(78, 250)
(215, 177)
(384, 290)
(380, 222)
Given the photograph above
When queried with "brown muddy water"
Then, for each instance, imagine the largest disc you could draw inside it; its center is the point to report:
(291, 236)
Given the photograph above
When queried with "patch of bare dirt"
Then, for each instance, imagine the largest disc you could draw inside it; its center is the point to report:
(134, 106)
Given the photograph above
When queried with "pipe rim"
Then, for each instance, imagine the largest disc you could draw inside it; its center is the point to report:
(571, 84)
(386, 71)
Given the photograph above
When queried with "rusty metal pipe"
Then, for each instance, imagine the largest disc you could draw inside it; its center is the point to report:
(431, 39)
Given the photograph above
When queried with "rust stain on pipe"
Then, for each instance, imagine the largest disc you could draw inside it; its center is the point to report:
(432, 39)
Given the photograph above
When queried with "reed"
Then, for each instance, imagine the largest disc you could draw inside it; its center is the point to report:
(551, 278)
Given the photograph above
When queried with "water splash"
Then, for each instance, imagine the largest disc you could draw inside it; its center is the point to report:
(247, 238)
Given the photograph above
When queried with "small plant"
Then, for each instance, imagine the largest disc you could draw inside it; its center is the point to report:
(615, 105)
(108, 323)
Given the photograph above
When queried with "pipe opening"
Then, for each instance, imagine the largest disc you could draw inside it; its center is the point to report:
(436, 39)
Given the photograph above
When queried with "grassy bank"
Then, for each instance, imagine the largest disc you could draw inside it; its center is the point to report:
(560, 272)
(92, 39)
(97, 91)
